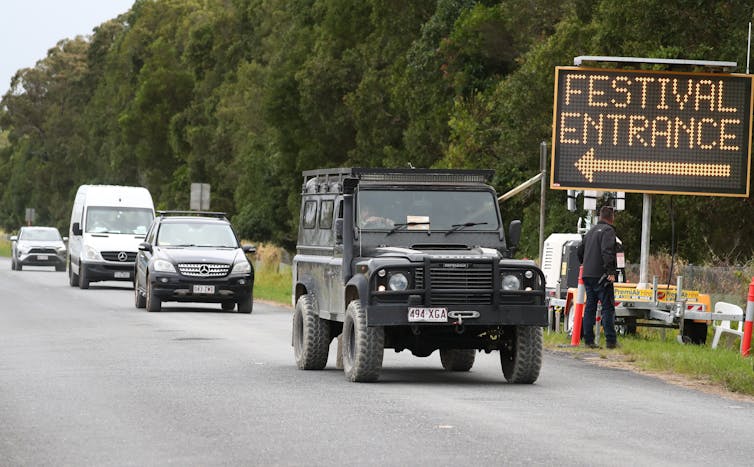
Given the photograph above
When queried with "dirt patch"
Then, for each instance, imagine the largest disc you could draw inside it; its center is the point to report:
(617, 360)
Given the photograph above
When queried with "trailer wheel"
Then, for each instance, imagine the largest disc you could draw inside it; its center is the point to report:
(521, 354)
(627, 326)
(694, 333)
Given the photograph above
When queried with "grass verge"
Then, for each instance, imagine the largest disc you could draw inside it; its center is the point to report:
(651, 351)
(271, 284)
(4, 247)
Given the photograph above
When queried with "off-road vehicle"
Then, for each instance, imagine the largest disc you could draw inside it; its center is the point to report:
(412, 259)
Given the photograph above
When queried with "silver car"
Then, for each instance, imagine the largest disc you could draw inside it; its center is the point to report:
(38, 246)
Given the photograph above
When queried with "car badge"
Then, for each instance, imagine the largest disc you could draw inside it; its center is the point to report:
(204, 270)
(122, 256)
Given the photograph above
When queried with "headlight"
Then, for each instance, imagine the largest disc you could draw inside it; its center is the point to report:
(241, 268)
(398, 281)
(91, 254)
(511, 282)
(163, 266)
(60, 250)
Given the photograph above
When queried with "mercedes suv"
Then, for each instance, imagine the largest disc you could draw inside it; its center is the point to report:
(417, 260)
(191, 256)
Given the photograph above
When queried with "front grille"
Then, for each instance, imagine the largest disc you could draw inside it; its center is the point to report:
(130, 256)
(204, 269)
(460, 283)
(42, 251)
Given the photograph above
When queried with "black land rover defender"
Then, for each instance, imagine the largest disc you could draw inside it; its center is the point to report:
(412, 259)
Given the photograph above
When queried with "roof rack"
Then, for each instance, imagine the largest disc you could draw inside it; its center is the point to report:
(324, 180)
(219, 215)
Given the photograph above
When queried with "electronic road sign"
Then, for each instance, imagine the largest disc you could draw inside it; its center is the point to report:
(652, 131)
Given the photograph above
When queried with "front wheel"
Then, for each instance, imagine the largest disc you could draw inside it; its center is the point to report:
(12, 265)
(83, 277)
(246, 305)
(153, 303)
(311, 336)
(521, 354)
(457, 359)
(363, 346)
(139, 300)
(73, 279)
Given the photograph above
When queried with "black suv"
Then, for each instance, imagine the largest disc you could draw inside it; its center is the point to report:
(412, 259)
(192, 256)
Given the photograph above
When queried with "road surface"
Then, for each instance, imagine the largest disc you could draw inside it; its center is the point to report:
(87, 379)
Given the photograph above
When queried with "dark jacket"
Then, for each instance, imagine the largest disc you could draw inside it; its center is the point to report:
(597, 251)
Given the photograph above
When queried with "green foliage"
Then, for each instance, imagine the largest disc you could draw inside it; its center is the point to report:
(245, 94)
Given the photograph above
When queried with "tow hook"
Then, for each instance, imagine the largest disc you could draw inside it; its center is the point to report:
(460, 315)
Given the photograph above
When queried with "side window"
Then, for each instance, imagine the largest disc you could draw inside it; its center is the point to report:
(325, 215)
(310, 214)
(151, 234)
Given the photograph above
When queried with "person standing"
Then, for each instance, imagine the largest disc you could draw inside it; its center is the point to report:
(597, 254)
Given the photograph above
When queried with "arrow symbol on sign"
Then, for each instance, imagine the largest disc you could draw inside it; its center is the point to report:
(588, 165)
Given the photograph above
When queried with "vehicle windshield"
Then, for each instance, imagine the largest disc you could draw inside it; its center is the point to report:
(40, 235)
(116, 220)
(196, 234)
(427, 210)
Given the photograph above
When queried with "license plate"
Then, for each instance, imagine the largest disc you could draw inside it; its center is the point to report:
(42, 257)
(204, 289)
(122, 274)
(427, 315)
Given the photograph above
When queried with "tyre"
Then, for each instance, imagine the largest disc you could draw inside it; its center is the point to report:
(694, 333)
(521, 354)
(363, 346)
(311, 336)
(457, 359)
(139, 300)
(12, 265)
(73, 279)
(153, 303)
(227, 306)
(83, 277)
(246, 305)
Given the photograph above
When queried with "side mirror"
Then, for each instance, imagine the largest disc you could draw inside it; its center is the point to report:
(249, 249)
(76, 228)
(339, 230)
(514, 234)
(14, 238)
(144, 246)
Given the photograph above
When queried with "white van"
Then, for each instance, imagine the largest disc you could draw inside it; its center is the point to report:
(107, 224)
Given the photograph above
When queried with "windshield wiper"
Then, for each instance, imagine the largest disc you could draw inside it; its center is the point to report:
(398, 227)
(457, 227)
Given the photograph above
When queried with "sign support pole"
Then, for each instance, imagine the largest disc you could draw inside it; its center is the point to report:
(543, 190)
(646, 227)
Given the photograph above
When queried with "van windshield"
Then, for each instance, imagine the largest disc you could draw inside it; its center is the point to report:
(117, 220)
(434, 210)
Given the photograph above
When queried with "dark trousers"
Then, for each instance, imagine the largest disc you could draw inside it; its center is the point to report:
(605, 295)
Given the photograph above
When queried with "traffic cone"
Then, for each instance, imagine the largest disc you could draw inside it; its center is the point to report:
(746, 339)
(578, 309)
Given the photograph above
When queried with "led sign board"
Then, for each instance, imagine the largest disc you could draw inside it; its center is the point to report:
(651, 132)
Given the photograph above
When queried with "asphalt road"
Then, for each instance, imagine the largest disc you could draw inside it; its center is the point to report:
(87, 379)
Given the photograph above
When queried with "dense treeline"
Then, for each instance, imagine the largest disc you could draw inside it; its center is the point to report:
(245, 94)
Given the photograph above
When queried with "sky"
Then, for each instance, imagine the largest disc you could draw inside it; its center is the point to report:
(28, 28)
